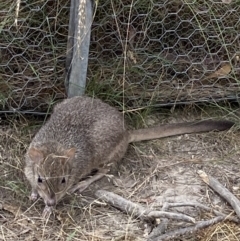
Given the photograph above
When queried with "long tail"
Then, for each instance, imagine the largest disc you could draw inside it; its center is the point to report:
(178, 129)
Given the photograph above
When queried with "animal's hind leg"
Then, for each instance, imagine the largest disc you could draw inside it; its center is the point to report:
(117, 152)
(81, 186)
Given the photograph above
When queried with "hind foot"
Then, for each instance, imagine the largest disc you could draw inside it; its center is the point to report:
(81, 186)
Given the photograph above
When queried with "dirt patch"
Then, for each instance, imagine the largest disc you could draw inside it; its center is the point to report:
(151, 174)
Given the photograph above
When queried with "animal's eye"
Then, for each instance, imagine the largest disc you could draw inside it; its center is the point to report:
(63, 180)
(40, 179)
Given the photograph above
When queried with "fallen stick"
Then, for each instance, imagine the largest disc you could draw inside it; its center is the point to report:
(187, 230)
(162, 227)
(158, 230)
(221, 190)
(204, 207)
(137, 210)
(16, 211)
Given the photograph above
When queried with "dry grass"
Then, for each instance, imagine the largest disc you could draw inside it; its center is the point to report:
(151, 173)
(222, 232)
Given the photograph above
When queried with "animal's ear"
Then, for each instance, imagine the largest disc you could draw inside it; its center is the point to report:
(70, 153)
(35, 154)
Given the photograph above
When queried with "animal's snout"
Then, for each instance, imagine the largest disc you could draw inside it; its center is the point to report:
(51, 202)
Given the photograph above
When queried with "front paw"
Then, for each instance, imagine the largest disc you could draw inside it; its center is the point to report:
(34, 196)
(47, 212)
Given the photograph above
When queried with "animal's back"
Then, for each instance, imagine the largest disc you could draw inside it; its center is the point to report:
(91, 126)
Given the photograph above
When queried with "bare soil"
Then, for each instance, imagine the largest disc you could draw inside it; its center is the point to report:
(152, 173)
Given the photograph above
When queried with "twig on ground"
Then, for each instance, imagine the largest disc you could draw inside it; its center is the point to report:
(137, 210)
(222, 191)
(204, 207)
(190, 229)
(158, 230)
(162, 227)
(16, 211)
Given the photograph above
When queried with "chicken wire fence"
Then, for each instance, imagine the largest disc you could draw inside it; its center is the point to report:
(145, 51)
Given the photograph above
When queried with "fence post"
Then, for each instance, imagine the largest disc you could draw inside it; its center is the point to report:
(81, 15)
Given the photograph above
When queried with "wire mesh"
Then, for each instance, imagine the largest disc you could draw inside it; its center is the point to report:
(145, 51)
(166, 52)
(33, 42)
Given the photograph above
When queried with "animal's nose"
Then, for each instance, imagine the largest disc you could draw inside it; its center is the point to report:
(51, 202)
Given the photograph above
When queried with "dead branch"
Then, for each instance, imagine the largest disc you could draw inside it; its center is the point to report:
(204, 207)
(137, 210)
(16, 211)
(222, 191)
(158, 230)
(190, 229)
(162, 227)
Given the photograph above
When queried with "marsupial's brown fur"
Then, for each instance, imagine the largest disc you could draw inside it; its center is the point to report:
(83, 133)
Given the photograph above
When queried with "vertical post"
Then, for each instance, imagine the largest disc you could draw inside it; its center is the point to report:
(81, 15)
